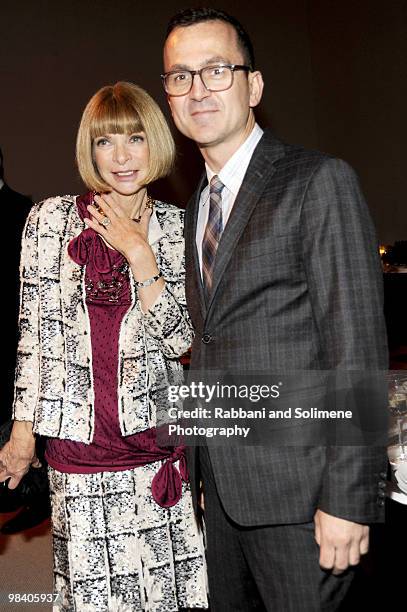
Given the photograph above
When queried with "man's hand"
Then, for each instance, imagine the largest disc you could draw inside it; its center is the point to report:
(341, 542)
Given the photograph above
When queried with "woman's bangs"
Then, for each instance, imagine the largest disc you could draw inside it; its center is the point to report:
(113, 117)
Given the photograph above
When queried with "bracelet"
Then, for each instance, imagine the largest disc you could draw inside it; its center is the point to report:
(149, 281)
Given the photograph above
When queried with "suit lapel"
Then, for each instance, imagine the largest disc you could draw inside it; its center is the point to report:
(259, 172)
(193, 273)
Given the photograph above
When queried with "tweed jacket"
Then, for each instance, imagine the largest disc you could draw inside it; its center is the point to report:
(53, 383)
(297, 285)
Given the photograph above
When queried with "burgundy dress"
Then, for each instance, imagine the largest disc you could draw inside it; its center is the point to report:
(108, 298)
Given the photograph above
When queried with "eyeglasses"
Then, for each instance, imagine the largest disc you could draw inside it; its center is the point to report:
(214, 78)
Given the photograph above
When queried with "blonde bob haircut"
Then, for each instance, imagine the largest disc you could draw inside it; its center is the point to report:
(123, 108)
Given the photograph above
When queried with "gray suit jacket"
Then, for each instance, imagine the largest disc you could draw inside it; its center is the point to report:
(297, 285)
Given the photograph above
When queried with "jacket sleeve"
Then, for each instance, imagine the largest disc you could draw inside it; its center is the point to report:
(28, 358)
(341, 260)
(167, 320)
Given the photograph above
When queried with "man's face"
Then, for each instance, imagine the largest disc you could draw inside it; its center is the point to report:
(211, 118)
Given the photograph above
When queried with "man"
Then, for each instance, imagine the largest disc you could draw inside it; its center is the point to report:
(34, 503)
(272, 236)
(15, 208)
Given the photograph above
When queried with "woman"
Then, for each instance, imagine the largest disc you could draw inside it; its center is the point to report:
(102, 320)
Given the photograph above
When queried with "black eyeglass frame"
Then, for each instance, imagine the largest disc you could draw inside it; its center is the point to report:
(232, 67)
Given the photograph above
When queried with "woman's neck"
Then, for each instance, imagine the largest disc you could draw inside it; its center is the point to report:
(131, 205)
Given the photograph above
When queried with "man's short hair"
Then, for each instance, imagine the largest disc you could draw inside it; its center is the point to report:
(192, 16)
(123, 108)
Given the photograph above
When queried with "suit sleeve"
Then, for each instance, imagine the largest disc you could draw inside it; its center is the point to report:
(28, 358)
(345, 282)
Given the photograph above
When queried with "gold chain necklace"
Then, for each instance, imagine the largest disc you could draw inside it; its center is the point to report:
(149, 206)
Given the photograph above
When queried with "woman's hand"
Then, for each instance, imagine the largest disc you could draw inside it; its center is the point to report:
(18, 454)
(130, 239)
(121, 232)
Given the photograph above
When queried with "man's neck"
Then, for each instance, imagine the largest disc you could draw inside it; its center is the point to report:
(217, 155)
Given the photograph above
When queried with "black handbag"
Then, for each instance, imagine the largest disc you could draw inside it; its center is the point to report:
(35, 481)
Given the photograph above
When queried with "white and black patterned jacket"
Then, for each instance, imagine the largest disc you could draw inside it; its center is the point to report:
(54, 386)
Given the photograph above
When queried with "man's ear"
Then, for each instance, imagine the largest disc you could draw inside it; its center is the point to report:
(256, 85)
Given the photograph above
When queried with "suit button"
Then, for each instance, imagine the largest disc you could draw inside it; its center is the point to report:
(383, 475)
(382, 485)
(380, 502)
(206, 338)
(382, 494)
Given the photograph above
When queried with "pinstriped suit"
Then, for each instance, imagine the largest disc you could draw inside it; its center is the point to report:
(296, 285)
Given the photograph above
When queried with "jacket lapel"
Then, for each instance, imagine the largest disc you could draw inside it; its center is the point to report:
(259, 172)
(193, 273)
(72, 277)
(155, 231)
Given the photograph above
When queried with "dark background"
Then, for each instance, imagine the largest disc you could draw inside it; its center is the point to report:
(336, 80)
(335, 76)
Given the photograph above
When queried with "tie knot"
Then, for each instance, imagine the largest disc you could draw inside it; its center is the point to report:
(216, 185)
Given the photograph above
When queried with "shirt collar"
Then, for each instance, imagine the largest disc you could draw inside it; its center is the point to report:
(233, 171)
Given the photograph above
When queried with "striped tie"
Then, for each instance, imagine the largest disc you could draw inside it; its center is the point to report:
(213, 232)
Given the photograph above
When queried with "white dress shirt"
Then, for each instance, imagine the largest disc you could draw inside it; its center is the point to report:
(231, 175)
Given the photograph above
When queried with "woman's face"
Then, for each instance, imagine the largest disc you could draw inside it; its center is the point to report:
(122, 160)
